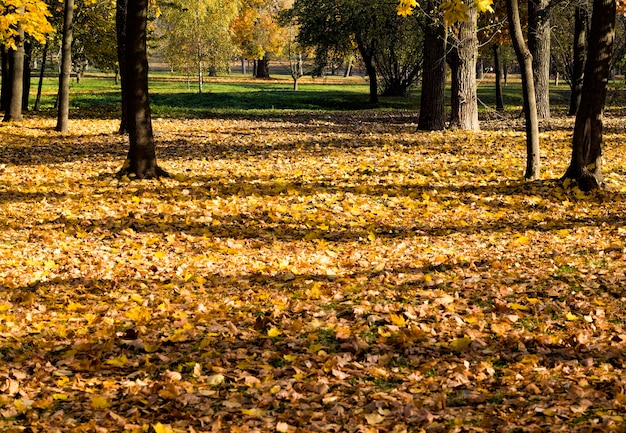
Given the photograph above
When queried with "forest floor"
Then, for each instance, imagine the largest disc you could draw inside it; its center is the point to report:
(319, 273)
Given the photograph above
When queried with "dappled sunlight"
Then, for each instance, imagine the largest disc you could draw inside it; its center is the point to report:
(324, 271)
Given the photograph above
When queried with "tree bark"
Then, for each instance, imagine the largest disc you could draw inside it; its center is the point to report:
(141, 160)
(498, 70)
(467, 52)
(14, 110)
(66, 67)
(524, 58)
(585, 165)
(580, 57)
(42, 71)
(539, 46)
(28, 51)
(263, 67)
(371, 73)
(432, 103)
(5, 98)
(455, 102)
(120, 28)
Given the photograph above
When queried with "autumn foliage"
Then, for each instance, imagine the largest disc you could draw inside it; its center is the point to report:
(308, 273)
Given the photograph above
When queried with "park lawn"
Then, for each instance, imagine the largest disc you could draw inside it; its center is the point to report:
(308, 271)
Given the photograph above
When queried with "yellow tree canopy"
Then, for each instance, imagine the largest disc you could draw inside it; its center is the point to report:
(256, 28)
(454, 11)
(31, 16)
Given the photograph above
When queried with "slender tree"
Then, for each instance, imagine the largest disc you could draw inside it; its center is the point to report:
(66, 68)
(497, 66)
(120, 29)
(42, 71)
(585, 165)
(533, 164)
(141, 160)
(13, 112)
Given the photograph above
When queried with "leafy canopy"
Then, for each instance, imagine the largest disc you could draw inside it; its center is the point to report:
(454, 11)
(31, 16)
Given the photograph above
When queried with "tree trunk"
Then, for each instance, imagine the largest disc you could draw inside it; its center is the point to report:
(28, 51)
(42, 71)
(263, 67)
(141, 160)
(120, 28)
(243, 66)
(5, 98)
(348, 70)
(455, 102)
(367, 54)
(371, 73)
(585, 166)
(14, 110)
(498, 70)
(432, 104)
(530, 107)
(467, 52)
(66, 67)
(580, 57)
(539, 46)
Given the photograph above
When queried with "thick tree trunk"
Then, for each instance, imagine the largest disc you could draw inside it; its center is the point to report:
(263, 67)
(367, 54)
(28, 51)
(585, 166)
(455, 102)
(5, 98)
(432, 104)
(498, 70)
(580, 57)
(14, 110)
(467, 52)
(120, 28)
(141, 160)
(66, 67)
(371, 73)
(42, 71)
(530, 108)
(539, 46)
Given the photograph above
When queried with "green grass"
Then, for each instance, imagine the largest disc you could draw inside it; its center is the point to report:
(97, 96)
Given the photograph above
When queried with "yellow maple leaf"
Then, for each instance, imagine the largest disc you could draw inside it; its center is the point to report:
(571, 317)
(120, 361)
(99, 402)
(253, 412)
(273, 332)
(518, 307)
(405, 7)
(397, 320)
(162, 428)
(138, 313)
(484, 6)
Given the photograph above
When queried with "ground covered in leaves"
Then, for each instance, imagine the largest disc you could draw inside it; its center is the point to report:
(336, 273)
